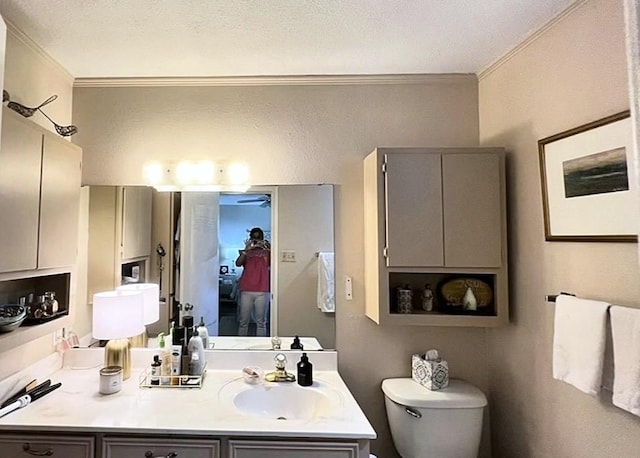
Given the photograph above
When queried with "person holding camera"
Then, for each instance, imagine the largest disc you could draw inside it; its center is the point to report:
(254, 282)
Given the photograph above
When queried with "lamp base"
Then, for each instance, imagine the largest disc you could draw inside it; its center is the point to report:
(141, 340)
(117, 352)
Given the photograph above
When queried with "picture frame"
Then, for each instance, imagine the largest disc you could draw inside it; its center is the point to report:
(588, 191)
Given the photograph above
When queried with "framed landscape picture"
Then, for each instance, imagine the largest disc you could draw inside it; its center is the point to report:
(588, 190)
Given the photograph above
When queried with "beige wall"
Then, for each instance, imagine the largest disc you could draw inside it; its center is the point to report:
(301, 134)
(571, 74)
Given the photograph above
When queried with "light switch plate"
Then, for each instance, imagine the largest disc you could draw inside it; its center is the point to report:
(288, 256)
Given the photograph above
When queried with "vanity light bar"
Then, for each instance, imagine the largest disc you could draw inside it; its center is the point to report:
(197, 176)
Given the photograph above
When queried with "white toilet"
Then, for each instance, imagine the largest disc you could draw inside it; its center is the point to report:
(434, 424)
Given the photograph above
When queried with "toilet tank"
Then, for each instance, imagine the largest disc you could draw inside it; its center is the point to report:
(437, 424)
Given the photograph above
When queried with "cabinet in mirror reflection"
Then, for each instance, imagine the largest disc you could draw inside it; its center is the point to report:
(190, 243)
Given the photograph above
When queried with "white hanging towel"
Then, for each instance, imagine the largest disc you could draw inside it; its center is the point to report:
(579, 336)
(625, 332)
(326, 282)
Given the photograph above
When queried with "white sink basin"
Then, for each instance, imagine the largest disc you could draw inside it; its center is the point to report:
(283, 400)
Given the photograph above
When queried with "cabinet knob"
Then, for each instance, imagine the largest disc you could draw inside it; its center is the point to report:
(27, 448)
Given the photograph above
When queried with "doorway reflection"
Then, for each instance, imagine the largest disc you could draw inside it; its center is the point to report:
(238, 213)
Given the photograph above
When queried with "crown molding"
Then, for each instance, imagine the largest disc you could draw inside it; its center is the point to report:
(33, 46)
(302, 80)
(529, 40)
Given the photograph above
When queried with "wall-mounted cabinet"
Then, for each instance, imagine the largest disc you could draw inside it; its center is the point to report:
(436, 217)
(39, 197)
(119, 236)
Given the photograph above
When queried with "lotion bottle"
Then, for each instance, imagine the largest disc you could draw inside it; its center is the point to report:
(165, 357)
(176, 358)
(305, 371)
(196, 347)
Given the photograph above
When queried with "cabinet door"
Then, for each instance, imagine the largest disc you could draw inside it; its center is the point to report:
(20, 159)
(472, 213)
(60, 202)
(151, 447)
(28, 446)
(284, 449)
(413, 201)
(136, 222)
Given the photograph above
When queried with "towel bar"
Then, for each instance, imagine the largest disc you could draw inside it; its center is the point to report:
(552, 297)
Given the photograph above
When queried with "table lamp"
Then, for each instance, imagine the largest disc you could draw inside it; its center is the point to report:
(151, 293)
(118, 315)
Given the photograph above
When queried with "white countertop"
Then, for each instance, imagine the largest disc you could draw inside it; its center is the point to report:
(77, 406)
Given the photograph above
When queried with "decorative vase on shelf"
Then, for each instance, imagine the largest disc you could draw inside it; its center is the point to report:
(405, 299)
(469, 301)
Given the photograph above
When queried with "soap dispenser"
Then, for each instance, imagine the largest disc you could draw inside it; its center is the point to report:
(305, 371)
(296, 344)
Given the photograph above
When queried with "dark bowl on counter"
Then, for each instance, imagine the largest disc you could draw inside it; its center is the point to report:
(11, 316)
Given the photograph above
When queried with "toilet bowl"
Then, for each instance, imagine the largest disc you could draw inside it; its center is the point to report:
(434, 424)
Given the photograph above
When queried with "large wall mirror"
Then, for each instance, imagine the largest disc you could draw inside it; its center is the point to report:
(191, 244)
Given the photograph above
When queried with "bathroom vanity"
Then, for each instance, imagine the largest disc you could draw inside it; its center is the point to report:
(76, 421)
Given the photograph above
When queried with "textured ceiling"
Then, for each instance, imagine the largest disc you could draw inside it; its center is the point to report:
(209, 38)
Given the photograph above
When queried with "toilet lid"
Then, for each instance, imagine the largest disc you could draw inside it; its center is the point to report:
(458, 395)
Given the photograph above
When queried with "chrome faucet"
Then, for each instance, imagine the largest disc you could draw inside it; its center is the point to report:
(280, 374)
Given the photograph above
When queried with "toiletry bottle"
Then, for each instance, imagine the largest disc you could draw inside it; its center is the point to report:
(156, 368)
(185, 359)
(165, 357)
(187, 323)
(195, 365)
(196, 347)
(176, 358)
(296, 345)
(203, 332)
(305, 371)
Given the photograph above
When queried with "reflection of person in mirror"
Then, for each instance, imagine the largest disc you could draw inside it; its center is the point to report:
(254, 282)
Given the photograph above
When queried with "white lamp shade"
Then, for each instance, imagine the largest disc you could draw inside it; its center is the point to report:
(118, 314)
(151, 293)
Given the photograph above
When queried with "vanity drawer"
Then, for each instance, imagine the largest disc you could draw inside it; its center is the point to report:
(288, 449)
(152, 447)
(27, 445)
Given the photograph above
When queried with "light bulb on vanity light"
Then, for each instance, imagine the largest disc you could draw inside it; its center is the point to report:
(151, 295)
(118, 315)
(204, 175)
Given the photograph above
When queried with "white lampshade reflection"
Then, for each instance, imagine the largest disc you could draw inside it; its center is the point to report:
(151, 292)
(118, 314)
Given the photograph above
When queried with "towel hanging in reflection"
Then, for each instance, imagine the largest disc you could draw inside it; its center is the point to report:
(326, 282)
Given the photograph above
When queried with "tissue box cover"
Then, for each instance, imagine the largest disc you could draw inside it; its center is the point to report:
(430, 374)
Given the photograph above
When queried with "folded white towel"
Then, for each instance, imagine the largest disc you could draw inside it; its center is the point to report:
(579, 336)
(326, 282)
(625, 333)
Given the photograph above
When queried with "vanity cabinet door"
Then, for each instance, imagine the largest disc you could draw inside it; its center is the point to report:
(285, 449)
(151, 447)
(20, 160)
(26, 446)
(60, 202)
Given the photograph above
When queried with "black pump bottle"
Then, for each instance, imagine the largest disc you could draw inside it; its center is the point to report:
(305, 371)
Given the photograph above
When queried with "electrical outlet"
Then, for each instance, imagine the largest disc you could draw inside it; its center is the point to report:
(288, 256)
